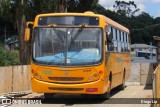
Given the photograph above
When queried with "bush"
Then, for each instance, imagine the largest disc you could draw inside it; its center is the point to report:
(8, 57)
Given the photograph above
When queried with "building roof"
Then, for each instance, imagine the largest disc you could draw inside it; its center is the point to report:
(142, 60)
(156, 38)
(142, 46)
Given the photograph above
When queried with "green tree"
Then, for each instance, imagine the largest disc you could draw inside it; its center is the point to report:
(23, 10)
(23, 5)
(62, 6)
(5, 7)
(140, 25)
(156, 29)
(43, 6)
(8, 57)
(125, 8)
(81, 5)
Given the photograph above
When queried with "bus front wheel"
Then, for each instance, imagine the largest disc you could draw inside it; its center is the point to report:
(106, 95)
(48, 95)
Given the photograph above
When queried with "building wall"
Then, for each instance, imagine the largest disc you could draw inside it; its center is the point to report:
(15, 78)
(141, 73)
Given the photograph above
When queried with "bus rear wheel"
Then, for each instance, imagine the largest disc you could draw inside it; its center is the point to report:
(122, 86)
(48, 95)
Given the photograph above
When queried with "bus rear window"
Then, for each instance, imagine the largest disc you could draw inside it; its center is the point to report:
(68, 20)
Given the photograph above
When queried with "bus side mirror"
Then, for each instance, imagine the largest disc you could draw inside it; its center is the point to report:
(109, 37)
(108, 33)
(27, 34)
(27, 31)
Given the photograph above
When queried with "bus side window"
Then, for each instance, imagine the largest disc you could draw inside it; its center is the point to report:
(126, 42)
(109, 36)
(119, 41)
(115, 39)
(122, 41)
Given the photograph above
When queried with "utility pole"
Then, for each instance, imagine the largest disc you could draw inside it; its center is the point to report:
(5, 36)
(135, 50)
(157, 39)
(5, 43)
(150, 50)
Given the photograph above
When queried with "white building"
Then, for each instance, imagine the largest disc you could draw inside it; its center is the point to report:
(143, 50)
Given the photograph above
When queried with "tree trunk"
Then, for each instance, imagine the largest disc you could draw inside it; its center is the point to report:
(24, 51)
(62, 6)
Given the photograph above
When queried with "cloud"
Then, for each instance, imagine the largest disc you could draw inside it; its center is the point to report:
(112, 2)
(139, 1)
(108, 4)
(109, 8)
(155, 1)
(157, 14)
(141, 7)
(149, 6)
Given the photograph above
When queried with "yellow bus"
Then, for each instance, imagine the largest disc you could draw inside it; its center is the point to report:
(78, 53)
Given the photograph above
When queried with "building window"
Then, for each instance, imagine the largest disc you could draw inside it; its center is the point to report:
(140, 49)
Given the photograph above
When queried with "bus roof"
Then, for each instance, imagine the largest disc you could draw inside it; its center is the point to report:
(89, 13)
(65, 14)
(115, 24)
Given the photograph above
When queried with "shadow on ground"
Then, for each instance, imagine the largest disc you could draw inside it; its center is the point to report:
(79, 99)
(148, 87)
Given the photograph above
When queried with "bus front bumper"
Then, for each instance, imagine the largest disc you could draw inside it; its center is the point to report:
(96, 87)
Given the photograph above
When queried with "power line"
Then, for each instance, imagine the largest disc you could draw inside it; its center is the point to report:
(145, 27)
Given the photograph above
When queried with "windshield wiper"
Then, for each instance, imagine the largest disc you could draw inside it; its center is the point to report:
(76, 35)
(78, 32)
(53, 27)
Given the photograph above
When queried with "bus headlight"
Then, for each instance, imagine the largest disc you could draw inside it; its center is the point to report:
(41, 77)
(37, 74)
(95, 75)
(90, 78)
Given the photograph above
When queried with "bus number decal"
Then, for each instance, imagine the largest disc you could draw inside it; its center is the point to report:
(47, 72)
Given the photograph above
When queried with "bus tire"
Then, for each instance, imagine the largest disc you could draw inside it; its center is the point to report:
(122, 86)
(48, 95)
(106, 95)
(86, 96)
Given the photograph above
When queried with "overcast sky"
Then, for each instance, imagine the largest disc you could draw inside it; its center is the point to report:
(149, 6)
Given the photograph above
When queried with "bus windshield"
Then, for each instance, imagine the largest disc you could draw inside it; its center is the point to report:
(67, 46)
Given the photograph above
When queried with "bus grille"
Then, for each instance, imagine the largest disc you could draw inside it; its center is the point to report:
(66, 78)
(66, 89)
